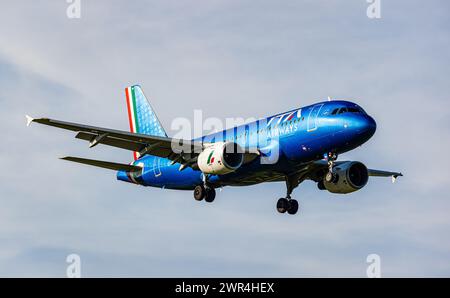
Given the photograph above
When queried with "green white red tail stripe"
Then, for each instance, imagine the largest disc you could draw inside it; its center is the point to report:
(132, 113)
(142, 118)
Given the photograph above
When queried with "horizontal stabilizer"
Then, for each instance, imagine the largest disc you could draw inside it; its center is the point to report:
(104, 164)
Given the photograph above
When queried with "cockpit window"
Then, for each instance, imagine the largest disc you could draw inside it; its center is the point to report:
(355, 109)
(361, 110)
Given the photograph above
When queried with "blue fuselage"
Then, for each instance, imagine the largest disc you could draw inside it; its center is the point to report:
(290, 139)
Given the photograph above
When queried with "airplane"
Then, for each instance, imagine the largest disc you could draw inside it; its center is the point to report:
(294, 146)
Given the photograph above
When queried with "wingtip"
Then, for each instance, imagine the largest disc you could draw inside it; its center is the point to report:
(394, 177)
(29, 119)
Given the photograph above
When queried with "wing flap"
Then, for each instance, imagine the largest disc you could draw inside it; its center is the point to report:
(112, 141)
(103, 164)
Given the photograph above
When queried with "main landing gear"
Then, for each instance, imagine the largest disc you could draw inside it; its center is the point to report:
(287, 204)
(201, 192)
(204, 191)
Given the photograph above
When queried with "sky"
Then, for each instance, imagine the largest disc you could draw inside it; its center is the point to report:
(228, 59)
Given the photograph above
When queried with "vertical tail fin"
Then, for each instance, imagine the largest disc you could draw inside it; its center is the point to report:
(141, 116)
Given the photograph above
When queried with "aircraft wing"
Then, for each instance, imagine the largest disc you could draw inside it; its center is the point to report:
(315, 171)
(378, 173)
(144, 144)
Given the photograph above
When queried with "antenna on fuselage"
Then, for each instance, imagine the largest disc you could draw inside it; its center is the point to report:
(329, 98)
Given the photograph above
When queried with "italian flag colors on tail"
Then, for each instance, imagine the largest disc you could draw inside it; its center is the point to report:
(142, 118)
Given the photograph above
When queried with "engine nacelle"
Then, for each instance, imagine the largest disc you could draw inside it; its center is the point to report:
(220, 158)
(350, 176)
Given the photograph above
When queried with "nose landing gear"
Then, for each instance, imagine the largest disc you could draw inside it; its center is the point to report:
(331, 176)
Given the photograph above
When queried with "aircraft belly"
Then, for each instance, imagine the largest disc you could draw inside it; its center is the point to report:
(159, 172)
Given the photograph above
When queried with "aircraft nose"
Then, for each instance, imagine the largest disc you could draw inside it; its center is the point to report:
(370, 126)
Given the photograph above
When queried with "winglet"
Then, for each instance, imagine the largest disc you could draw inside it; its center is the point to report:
(394, 177)
(29, 119)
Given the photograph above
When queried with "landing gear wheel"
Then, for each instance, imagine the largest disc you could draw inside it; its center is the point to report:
(331, 177)
(293, 207)
(282, 205)
(199, 192)
(210, 194)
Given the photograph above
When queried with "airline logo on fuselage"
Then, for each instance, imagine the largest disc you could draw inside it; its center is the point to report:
(284, 117)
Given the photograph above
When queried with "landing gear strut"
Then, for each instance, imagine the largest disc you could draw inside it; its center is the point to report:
(287, 204)
(331, 176)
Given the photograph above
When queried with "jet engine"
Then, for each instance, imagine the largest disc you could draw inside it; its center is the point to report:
(220, 158)
(350, 176)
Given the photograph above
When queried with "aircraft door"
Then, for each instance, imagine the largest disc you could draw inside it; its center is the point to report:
(312, 118)
(157, 166)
